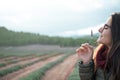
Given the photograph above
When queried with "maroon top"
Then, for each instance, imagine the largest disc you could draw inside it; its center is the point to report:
(101, 57)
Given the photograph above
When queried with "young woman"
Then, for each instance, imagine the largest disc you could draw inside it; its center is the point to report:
(104, 62)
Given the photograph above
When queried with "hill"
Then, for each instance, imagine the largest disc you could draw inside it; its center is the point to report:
(12, 38)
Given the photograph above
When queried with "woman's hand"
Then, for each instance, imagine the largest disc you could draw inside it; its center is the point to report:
(85, 53)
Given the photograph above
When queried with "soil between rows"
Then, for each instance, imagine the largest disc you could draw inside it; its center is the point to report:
(61, 71)
(24, 72)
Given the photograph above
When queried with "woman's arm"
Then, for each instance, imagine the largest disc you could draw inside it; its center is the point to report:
(86, 67)
(86, 71)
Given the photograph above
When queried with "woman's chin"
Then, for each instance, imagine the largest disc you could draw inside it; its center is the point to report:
(99, 41)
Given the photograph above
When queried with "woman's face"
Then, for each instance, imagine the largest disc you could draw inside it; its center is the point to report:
(105, 33)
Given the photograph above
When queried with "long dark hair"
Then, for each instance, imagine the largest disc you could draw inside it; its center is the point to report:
(113, 59)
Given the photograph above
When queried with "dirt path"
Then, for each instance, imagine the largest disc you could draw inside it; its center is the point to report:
(7, 58)
(27, 70)
(21, 62)
(61, 71)
(16, 58)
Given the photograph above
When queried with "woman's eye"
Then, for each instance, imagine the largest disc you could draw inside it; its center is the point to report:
(105, 27)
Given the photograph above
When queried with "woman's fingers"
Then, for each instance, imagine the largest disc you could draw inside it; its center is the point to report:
(79, 49)
(90, 48)
(85, 52)
(85, 48)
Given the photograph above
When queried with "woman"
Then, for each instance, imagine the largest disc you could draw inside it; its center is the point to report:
(104, 64)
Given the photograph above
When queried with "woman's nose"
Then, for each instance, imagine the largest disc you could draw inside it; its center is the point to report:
(100, 29)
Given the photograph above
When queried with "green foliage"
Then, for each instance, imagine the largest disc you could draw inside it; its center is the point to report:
(37, 75)
(75, 74)
(10, 70)
(18, 67)
(2, 64)
(11, 38)
(12, 61)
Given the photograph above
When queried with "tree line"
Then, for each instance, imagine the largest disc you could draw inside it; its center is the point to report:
(12, 38)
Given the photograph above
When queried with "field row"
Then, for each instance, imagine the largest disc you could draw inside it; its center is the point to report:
(37, 62)
(36, 66)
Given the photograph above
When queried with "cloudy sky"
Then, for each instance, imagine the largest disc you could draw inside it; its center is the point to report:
(56, 17)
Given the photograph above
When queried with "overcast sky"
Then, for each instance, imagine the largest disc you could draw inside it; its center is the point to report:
(56, 17)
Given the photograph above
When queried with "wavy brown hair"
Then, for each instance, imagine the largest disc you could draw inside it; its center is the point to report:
(113, 58)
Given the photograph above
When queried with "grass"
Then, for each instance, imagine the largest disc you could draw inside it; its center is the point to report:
(33, 49)
(21, 51)
(38, 74)
(18, 67)
(75, 74)
(10, 70)
(2, 65)
(7, 63)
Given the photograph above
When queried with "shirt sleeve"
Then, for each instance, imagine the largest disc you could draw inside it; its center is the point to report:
(86, 71)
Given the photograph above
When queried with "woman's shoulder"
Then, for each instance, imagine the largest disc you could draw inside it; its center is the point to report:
(99, 74)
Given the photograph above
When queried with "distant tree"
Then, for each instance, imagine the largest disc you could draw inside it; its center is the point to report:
(11, 38)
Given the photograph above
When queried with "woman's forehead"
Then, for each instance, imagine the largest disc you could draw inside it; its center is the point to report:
(109, 20)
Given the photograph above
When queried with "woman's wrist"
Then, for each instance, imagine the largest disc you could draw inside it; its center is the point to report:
(86, 62)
